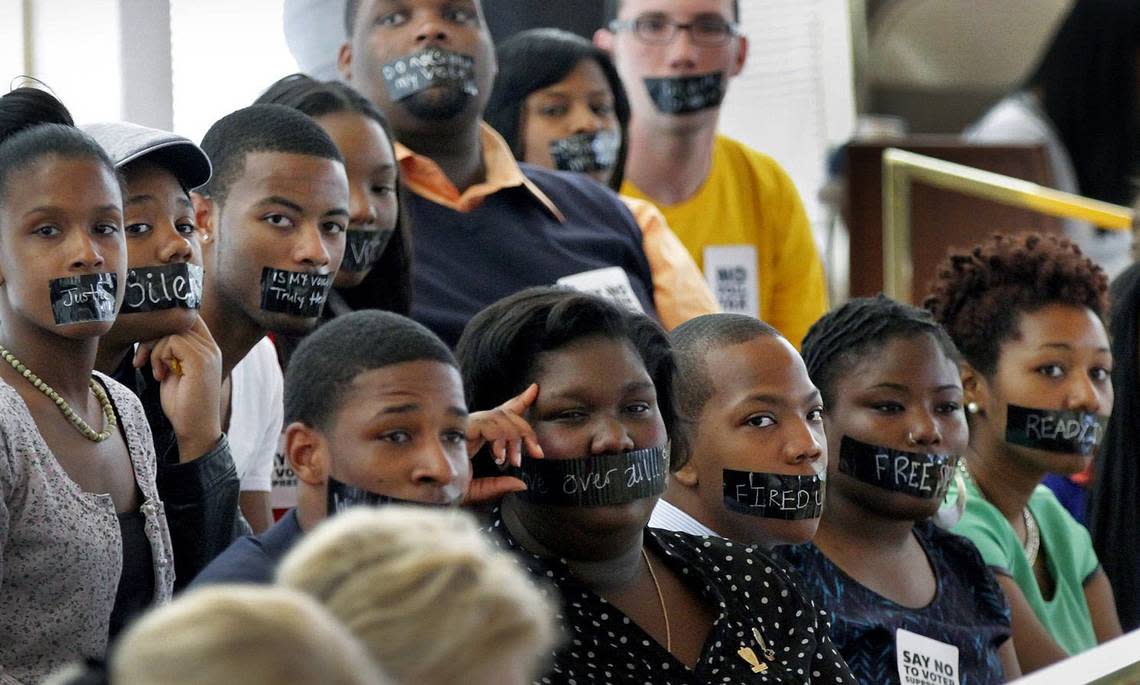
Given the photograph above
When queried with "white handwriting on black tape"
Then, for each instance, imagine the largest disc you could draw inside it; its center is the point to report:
(1051, 428)
(77, 296)
(761, 497)
(177, 288)
(633, 475)
(310, 288)
(906, 472)
(411, 73)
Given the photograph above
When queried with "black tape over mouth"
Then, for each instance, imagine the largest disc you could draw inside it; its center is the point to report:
(294, 292)
(918, 474)
(342, 496)
(586, 152)
(774, 495)
(1063, 432)
(80, 299)
(411, 74)
(156, 288)
(363, 248)
(686, 94)
(601, 480)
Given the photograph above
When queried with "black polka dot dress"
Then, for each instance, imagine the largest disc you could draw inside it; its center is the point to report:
(761, 610)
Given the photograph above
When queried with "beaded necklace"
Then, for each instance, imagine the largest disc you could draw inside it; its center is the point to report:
(76, 420)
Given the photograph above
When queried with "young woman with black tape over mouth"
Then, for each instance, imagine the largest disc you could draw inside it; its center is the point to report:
(160, 347)
(1026, 313)
(376, 270)
(83, 538)
(905, 596)
(638, 604)
(559, 104)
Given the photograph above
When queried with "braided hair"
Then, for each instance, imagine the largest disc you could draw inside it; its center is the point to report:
(978, 294)
(844, 336)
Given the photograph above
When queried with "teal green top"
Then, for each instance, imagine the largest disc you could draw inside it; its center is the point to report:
(1068, 552)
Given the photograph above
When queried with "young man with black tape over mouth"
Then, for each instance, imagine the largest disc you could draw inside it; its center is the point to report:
(735, 209)
(375, 413)
(486, 226)
(277, 210)
(178, 372)
(749, 433)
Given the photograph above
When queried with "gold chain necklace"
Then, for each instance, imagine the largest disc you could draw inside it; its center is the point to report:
(76, 420)
(660, 598)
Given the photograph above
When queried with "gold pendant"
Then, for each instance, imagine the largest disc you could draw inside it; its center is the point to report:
(749, 656)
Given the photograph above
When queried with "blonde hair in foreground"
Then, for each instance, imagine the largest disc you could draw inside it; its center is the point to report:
(431, 598)
(241, 634)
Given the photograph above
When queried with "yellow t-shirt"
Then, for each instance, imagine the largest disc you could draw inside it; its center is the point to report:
(747, 229)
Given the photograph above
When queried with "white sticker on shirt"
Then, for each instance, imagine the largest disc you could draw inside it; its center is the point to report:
(732, 276)
(923, 661)
(612, 283)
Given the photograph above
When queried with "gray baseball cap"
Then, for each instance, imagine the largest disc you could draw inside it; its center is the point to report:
(126, 143)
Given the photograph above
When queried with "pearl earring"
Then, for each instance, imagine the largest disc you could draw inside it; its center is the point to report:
(972, 407)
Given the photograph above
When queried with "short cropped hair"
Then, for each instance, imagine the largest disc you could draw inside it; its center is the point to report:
(429, 595)
(614, 6)
(845, 336)
(260, 128)
(241, 634)
(692, 342)
(499, 349)
(979, 294)
(327, 360)
(34, 124)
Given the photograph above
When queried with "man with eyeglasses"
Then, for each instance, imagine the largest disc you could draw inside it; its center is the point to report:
(735, 209)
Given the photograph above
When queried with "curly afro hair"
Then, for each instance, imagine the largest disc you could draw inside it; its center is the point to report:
(979, 295)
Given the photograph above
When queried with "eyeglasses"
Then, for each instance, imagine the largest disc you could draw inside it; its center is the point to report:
(658, 29)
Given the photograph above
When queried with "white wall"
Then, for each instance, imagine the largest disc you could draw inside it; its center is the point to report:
(795, 99)
(225, 53)
(162, 63)
(11, 40)
(76, 53)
